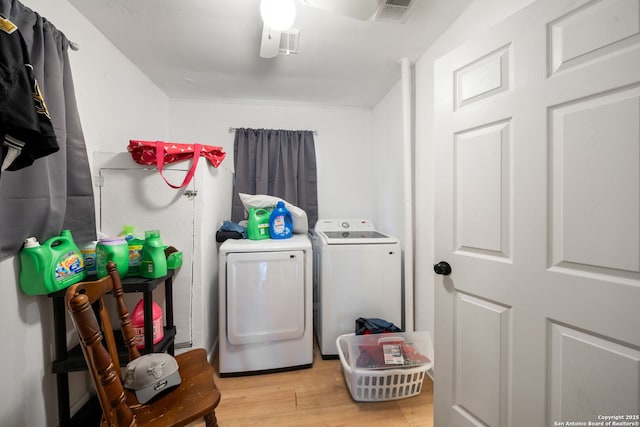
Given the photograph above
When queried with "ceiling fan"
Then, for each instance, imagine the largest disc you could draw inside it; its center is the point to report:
(278, 16)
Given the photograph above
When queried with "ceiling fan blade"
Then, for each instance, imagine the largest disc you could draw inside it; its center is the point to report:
(270, 44)
(358, 9)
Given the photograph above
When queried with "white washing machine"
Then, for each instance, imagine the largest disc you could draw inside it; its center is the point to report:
(356, 273)
(266, 320)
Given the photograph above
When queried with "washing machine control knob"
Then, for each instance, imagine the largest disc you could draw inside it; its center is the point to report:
(345, 224)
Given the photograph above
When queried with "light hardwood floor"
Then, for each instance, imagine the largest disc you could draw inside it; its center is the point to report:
(317, 396)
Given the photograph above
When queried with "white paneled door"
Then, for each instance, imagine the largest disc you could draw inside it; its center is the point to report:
(132, 195)
(538, 217)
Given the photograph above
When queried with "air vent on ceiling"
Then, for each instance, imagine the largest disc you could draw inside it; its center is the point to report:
(290, 42)
(393, 10)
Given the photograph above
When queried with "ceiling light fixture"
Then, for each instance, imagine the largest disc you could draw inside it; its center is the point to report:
(278, 14)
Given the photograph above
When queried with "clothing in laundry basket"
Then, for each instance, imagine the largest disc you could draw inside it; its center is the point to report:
(373, 325)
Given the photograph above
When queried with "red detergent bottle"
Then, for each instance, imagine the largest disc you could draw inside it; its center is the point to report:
(137, 321)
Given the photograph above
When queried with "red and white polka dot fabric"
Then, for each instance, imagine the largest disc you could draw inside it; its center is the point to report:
(159, 153)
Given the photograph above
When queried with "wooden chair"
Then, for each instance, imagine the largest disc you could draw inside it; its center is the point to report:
(196, 397)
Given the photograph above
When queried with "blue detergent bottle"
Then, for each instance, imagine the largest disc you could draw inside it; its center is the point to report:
(280, 222)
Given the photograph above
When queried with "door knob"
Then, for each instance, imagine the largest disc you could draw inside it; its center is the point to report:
(442, 268)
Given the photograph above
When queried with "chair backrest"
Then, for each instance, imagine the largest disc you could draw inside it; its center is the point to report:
(103, 363)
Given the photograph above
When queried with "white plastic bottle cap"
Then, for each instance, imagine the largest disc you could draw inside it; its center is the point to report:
(31, 242)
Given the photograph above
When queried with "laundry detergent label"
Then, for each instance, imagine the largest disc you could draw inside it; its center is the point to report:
(68, 265)
(89, 260)
(263, 229)
(278, 224)
(135, 255)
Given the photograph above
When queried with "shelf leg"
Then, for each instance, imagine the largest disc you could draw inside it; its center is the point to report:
(62, 379)
(168, 296)
(148, 322)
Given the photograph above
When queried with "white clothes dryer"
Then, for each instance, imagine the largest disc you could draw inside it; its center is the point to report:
(265, 298)
(356, 273)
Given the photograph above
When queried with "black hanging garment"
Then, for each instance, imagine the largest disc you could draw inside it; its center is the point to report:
(26, 132)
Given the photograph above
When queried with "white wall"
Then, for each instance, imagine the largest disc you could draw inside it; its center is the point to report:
(116, 102)
(477, 18)
(213, 207)
(388, 163)
(390, 206)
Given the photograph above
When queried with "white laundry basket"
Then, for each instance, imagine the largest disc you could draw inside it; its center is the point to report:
(376, 385)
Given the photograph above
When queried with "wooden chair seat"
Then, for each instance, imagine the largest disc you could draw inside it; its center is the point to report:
(195, 389)
(195, 398)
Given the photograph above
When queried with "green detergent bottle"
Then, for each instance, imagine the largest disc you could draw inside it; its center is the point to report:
(54, 265)
(112, 249)
(154, 262)
(135, 249)
(258, 224)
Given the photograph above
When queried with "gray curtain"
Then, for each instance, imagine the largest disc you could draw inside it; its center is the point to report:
(55, 192)
(279, 163)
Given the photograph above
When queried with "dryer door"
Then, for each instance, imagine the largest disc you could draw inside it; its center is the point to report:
(265, 296)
